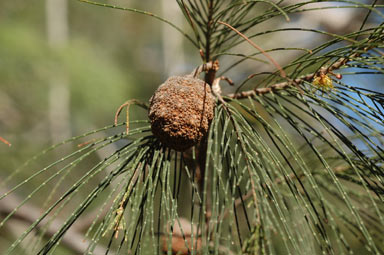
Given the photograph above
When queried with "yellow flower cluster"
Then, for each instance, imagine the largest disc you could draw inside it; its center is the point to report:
(323, 82)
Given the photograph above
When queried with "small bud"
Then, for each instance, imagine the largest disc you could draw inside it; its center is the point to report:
(338, 76)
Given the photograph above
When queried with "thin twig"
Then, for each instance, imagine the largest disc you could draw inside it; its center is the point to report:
(283, 85)
(128, 104)
(205, 68)
(211, 74)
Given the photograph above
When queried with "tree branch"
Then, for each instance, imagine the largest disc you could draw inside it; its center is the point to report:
(73, 240)
(283, 85)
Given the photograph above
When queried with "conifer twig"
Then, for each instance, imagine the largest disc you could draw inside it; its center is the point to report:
(283, 85)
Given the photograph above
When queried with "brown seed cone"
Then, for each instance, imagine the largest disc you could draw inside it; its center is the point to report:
(180, 111)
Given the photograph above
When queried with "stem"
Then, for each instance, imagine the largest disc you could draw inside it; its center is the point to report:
(283, 85)
(211, 74)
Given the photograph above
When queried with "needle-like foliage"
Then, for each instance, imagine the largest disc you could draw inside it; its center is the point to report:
(291, 164)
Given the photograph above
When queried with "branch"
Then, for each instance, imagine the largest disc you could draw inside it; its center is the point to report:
(283, 85)
(73, 239)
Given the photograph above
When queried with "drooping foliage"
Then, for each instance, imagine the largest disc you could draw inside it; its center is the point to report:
(292, 164)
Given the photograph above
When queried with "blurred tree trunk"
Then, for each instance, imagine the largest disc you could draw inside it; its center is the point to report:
(59, 95)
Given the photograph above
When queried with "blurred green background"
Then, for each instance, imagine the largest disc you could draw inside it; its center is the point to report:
(60, 77)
